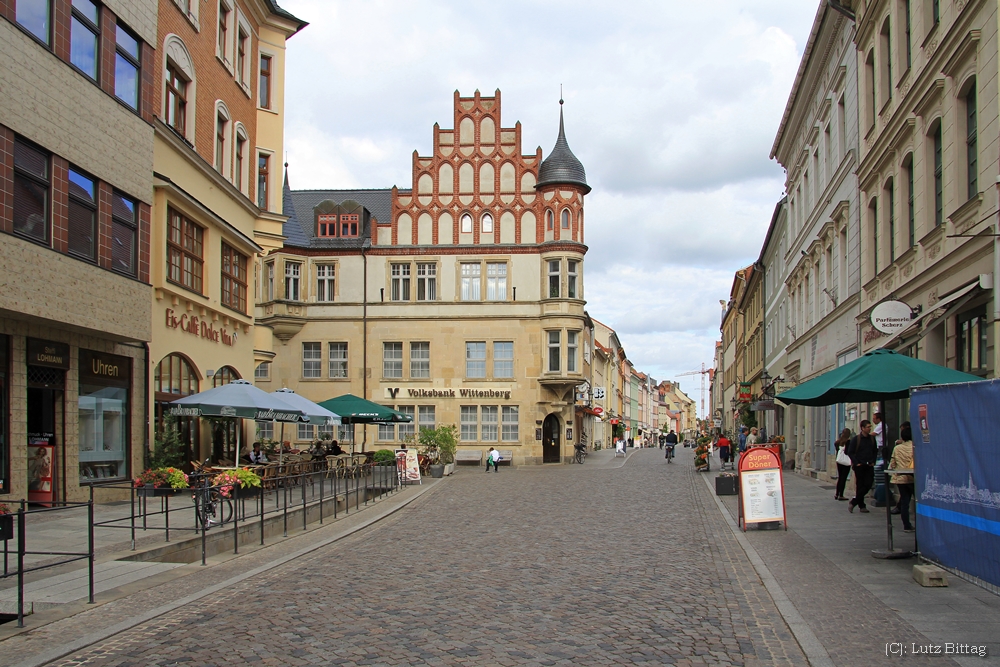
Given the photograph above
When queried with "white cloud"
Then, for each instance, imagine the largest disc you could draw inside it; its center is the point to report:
(671, 106)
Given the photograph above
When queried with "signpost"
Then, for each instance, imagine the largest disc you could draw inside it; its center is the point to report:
(762, 490)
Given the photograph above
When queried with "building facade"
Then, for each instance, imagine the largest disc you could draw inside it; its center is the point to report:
(463, 294)
(217, 204)
(76, 164)
(776, 327)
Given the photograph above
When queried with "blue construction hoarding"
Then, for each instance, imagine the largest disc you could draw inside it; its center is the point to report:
(956, 442)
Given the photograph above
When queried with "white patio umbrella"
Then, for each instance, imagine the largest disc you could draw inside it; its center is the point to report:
(317, 413)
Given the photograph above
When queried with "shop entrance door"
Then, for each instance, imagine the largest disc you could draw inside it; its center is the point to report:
(550, 440)
(46, 445)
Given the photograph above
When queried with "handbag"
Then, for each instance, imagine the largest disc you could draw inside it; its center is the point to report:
(842, 457)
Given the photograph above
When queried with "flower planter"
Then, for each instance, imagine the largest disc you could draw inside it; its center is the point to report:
(156, 492)
(6, 526)
(437, 470)
(449, 468)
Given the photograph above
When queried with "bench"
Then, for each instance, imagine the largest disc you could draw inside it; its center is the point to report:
(507, 456)
(468, 456)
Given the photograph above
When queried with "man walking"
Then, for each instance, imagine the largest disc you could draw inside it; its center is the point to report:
(863, 450)
(743, 439)
(492, 458)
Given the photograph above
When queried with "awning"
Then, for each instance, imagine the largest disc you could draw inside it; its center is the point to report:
(942, 303)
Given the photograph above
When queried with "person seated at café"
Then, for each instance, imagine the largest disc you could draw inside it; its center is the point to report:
(334, 449)
(257, 456)
(318, 451)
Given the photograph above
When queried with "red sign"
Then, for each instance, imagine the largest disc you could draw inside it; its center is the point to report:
(200, 327)
(614, 421)
(762, 490)
(598, 410)
(41, 470)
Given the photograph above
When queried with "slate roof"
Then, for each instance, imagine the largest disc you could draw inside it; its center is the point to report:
(300, 231)
(561, 166)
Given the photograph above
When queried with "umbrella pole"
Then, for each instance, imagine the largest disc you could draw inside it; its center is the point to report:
(890, 553)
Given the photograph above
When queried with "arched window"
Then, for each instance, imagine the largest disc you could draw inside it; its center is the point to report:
(565, 218)
(179, 87)
(240, 163)
(225, 375)
(487, 223)
(223, 132)
(175, 375)
(549, 219)
(466, 223)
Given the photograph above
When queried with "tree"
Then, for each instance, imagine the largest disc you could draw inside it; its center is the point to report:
(439, 443)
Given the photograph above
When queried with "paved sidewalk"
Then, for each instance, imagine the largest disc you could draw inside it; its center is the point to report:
(823, 563)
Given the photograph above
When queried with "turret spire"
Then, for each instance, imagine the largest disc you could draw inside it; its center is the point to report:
(561, 166)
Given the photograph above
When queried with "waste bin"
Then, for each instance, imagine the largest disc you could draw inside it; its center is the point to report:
(725, 485)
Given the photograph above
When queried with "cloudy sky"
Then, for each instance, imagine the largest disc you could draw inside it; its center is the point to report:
(671, 105)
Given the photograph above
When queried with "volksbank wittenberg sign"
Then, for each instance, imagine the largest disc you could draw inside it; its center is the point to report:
(395, 393)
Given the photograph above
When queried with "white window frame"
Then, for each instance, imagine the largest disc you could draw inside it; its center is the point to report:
(426, 281)
(423, 412)
(314, 359)
(471, 281)
(469, 423)
(476, 360)
(407, 429)
(265, 430)
(498, 359)
(293, 277)
(399, 281)
(326, 282)
(490, 419)
(305, 432)
(338, 367)
(510, 431)
(496, 281)
(420, 365)
(392, 365)
(262, 371)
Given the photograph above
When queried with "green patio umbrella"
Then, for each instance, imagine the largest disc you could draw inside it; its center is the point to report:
(879, 375)
(356, 410)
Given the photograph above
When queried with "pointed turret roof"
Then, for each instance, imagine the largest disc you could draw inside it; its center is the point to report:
(561, 167)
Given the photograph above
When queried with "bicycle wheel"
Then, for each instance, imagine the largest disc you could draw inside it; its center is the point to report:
(221, 509)
(580, 456)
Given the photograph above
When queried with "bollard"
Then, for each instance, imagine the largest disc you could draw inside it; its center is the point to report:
(302, 483)
(20, 566)
(90, 548)
(261, 506)
(322, 485)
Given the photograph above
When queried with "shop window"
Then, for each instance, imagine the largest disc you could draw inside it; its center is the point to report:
(82, 220)
(103, 406)
(184, 251)
(971, 341)
(224, 376)
(4, 451)
(84, 36)
(338, 360)
(173, 378)
(31, 192)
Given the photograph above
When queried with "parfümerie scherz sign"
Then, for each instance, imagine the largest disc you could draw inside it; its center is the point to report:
(891, 316)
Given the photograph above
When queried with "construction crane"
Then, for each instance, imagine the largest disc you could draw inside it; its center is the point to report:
(703, 372)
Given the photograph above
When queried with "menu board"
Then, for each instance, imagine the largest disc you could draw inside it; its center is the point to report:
(408, 465)
(762, 495)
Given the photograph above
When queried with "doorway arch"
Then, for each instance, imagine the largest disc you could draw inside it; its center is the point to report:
(551, 443)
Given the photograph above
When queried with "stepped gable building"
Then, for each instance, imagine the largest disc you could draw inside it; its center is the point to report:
(463, 294)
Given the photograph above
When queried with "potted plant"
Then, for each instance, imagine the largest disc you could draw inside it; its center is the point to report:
(701, 455)
(6, 523)
(439, 447)
(160, 481)
(384, 457)
(233, 480)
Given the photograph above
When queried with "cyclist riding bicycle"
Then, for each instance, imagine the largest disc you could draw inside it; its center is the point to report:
(671, 442)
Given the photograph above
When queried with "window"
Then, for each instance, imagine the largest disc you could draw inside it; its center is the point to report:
(572, 345)
(224, 13)
(263, 371)
(938, 178)
(466, 223)
(510, 431)
(392, 360)
(420, 360)
(338, 360)
(910, 220)
(224, 376)
(400, 282)
(104, 425)
(503, 359)
(554, 279)
(292, 271)
(241, 147)
(312, 360)
(185, 242)
(426, 282)
(270, 281)
(470, 423)
(124, 230)
(234, 279)
(324, 431)
(386, 432)
(31, 191)
(176, 107)
(82, 215)
(345, 433)
(425, 416)
(305, 432)
(935, 11)
(325, 282)
(908, 26)
(475, 360)
(890, 209)
(35, 17)
(972, 343)
(870, 81)
(571, 273)
(407, 429)
(885, 41)
(487, 224)
(84, 37)
(565, 218)
(873, 217)
(262, 174)
(549, 220)
(265, 430)
(470, 281)
(241, 56)
(127, 59)
(265, 82)
(490, 415)
(220, 142)
(349, 224)
(496, 281)
(554, 345)
(327, 225)
(971, 143)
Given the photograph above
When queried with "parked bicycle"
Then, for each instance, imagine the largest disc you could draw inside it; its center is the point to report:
(211, 508)
(581, 453)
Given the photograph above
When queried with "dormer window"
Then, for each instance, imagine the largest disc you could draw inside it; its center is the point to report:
(327, 225)
(349, 224)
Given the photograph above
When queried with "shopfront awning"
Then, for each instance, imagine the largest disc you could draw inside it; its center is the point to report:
(955, 300)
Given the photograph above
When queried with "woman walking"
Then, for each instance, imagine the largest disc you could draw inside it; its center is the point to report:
(842, 470)
(902, 458)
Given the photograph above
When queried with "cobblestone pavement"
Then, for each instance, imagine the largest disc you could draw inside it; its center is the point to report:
(610, 563)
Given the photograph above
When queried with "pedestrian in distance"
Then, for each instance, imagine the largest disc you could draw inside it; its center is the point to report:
(843, 471)
(743, 439)
(902, 459)
(863, 451)
(752, 438)
(725, 449)
(493, 458)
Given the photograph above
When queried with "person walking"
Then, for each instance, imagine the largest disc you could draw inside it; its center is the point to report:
(842, 470)
(725, 448)
(492, 458)
(863, 451)
(902, 459)
(743, 439)
(752, 438)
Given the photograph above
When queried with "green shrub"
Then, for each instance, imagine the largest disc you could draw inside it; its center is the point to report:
(384, 457)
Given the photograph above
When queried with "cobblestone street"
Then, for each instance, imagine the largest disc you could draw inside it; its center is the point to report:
(611, 562)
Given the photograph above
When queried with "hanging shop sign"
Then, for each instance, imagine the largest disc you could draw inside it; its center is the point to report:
(761, 406)
(762, 491)
(48, 353)
(891, 316)
(746, 392)
(197, 326)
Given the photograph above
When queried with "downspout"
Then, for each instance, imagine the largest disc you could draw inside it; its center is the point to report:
(145, 403)
(364, 320)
